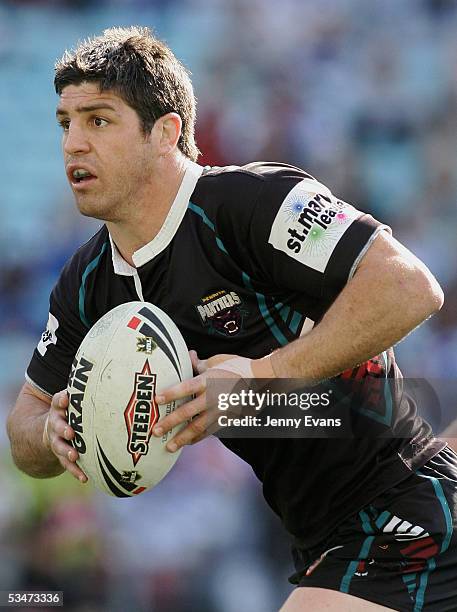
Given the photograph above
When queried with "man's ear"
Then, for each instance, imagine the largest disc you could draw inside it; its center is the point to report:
(169, 126)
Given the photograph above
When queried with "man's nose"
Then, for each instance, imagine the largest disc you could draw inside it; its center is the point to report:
(76, 140)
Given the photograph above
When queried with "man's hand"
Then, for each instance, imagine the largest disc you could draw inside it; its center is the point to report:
(204, 417)
(57, 433)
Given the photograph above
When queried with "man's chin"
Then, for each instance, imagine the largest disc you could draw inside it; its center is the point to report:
(95, 211)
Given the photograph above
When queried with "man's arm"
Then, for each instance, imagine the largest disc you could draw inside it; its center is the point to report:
(390, 294)
(38, 433)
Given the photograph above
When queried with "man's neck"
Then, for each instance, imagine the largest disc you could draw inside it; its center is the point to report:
(146, 219)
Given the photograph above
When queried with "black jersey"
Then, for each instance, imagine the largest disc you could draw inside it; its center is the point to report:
(248, 259)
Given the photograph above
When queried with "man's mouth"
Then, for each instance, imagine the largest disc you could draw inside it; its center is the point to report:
(81, 176)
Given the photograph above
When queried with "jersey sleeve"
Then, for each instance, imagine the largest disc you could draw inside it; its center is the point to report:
(50, 365)
(305, 239)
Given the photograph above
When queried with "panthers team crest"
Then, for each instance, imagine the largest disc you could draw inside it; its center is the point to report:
(222, 311)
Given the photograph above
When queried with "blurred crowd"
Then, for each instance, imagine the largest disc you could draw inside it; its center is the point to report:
(363, 95)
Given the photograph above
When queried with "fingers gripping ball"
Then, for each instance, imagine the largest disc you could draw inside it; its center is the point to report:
(126, 359)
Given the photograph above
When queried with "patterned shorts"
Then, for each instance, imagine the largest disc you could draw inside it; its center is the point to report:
(401, 550)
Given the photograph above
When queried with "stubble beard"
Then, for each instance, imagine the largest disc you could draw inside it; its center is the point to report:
(116, 203)
(104, 207)
(91, 206)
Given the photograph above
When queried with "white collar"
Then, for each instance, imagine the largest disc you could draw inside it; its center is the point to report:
(167, 231)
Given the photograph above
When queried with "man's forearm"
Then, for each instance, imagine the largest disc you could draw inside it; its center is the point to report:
(376, 309)
(25, 429)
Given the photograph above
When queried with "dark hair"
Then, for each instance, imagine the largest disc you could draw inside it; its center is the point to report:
(139, 68)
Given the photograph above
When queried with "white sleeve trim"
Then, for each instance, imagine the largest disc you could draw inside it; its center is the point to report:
(37, 387)
(355, 265)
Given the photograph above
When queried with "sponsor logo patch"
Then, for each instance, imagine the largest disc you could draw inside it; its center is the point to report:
(49, 335)
(142, 413)
(310, 223)
(222, 312)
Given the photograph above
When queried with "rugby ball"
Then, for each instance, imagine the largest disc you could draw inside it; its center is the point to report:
(131, 354)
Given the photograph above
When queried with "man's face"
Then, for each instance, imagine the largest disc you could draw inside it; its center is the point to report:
(108, 160)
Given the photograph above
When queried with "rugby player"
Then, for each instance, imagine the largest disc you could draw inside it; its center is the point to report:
(267, 274)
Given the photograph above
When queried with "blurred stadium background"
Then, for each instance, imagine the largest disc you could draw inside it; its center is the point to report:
(361, 94)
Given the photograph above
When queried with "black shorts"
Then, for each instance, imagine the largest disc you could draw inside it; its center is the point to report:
(401, 550)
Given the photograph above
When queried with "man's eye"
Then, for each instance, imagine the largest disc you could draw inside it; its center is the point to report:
(64, 125)
(99, 122)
